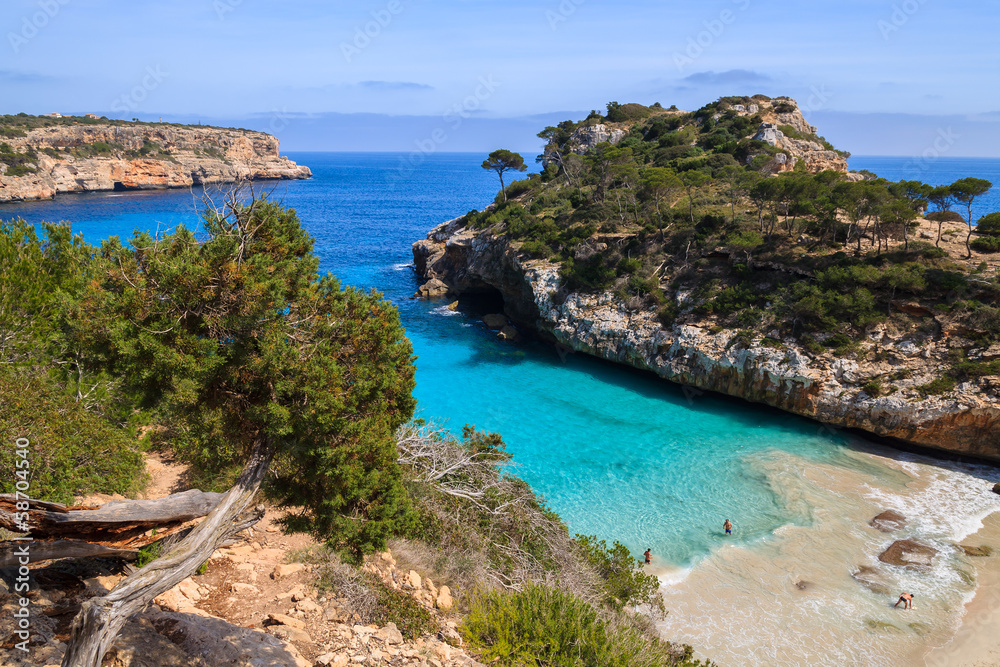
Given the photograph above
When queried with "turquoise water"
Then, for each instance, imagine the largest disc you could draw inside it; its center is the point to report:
(615, 452)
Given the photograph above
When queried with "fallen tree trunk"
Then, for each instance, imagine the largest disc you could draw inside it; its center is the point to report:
(13, 552)
(115, 524)
(101, 619)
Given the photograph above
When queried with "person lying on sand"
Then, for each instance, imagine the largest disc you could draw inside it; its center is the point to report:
(906, 599)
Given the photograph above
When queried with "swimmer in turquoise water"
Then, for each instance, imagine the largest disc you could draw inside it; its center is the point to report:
(728, 525)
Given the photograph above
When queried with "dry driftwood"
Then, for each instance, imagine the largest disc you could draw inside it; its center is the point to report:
(12, 552)
(116, 524)
(101, 619)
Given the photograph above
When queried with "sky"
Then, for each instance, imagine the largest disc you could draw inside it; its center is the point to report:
(878, 77)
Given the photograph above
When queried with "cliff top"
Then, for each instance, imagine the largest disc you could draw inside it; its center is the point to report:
(15, 125)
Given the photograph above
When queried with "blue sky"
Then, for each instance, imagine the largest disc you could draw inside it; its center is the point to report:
(385, 74)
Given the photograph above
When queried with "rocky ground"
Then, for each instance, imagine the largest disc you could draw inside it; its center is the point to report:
(253, 605)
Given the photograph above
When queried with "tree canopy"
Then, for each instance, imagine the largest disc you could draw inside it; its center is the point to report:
(502, 160)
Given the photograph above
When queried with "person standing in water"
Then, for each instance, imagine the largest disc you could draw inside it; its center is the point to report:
(906, 599)
(728, 525)
(649, 556)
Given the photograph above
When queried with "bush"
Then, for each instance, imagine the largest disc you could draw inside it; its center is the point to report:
(989, 224)
(72, 451)
(942, 385)
(986, 244)
(541, 626)
(872, 388)
(626, 585)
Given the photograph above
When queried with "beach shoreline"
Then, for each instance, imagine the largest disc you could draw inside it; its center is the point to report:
(977, 641)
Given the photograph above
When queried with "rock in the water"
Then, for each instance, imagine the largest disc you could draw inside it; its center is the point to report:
(888, 521)
(871, 579)
(508, 333)
(495, 321)
(433, 288)
(996, 488)
(453, 306)
(977, 552)
(908, 553)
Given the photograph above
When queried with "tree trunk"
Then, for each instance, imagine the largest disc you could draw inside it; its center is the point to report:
(101, 619)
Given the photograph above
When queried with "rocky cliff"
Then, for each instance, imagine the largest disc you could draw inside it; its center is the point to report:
(780, 373)
(78, 158)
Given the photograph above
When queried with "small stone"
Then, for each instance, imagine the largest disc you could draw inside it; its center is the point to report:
(996, 488)
(444, 600)
(282, 619)
(286, 570)
(453, 306)
(325, 659)
(390, 634)
(414, 579)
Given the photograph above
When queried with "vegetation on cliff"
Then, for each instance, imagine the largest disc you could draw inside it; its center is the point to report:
(698, 217)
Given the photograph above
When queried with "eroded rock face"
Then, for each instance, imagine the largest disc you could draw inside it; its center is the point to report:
(823, 387)
(196, 156)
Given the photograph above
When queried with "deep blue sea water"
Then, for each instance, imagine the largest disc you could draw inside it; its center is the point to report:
(617, 453)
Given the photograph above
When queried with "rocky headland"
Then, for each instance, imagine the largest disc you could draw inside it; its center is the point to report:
(883, 377)
(41, 162)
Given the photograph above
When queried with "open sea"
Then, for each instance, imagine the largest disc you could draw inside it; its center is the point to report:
(632, 458)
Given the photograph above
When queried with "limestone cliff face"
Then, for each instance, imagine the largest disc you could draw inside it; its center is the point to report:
(184, 156)
(823, 387)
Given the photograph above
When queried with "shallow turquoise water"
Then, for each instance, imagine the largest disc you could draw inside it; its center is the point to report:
(617, 453)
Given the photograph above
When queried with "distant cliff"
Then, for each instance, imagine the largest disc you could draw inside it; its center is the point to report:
(38, 162)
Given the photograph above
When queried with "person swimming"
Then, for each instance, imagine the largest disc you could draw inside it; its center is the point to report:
(728, 525)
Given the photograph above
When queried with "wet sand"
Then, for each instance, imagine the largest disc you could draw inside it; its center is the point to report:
(977, 642)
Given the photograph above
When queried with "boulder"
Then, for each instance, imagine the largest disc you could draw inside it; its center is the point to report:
(495, 321)
(508, 333)
(996, 488)
(282, 619)
(413, 579)
(908, 553)
(432, 289)
(888, 521)
(453, 306)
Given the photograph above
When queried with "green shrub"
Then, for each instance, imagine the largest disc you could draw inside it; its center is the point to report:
(72, 451)
(986, 244)
(941, 385)
(872, 388)
(625, 583)
(541, 626)
(989, 224)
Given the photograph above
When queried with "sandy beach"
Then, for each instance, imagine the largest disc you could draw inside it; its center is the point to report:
(977, 642)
